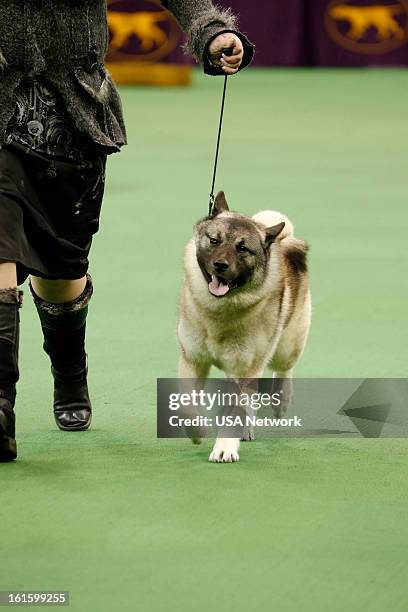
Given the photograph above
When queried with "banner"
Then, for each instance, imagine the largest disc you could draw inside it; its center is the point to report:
(145, 44)
(277, 29)
(145, 39)
(326, 32)
(359, 32)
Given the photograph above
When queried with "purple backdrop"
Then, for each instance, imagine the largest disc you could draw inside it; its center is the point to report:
(326, 32)
(278, 28)
(359, 33)
(285, 32)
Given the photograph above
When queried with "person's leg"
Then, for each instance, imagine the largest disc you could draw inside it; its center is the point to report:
(8, 275)
(58, 291)
(62, 306)
(10, 302)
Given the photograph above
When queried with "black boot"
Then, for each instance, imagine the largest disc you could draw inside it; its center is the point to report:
(64, 327)
(10, 302)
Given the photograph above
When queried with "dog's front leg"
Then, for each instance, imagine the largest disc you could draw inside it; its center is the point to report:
(190, 373)
(191, 369)
(283, 384)
(250, 386)
(225, 450)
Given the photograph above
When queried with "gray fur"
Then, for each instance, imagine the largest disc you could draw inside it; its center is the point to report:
(203, 28)
(65, 42)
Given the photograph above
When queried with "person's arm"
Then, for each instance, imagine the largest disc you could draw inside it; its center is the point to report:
(209, 29)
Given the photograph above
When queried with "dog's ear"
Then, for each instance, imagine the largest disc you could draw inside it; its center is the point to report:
(273, 232)
(220, 204)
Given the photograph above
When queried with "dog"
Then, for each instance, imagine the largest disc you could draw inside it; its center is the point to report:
(245, 301)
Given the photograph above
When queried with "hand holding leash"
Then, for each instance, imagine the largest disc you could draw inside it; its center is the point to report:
(231, 61)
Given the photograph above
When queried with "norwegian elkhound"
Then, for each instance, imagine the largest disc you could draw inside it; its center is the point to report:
(245, 303)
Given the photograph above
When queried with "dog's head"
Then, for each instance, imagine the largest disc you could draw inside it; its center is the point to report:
(232, 249)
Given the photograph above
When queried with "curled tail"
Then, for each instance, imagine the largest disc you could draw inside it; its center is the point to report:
(268, 218)
(293, 249)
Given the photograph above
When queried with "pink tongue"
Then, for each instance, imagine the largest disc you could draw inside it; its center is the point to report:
(217, 287)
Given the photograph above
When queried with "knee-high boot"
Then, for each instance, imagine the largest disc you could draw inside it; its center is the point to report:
(63, 327)
(10, 302)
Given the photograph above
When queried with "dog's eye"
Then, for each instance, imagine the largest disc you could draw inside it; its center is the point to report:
(213, 241)
(241, 248)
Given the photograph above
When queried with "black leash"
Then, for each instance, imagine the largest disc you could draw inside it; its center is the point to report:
(212, 197)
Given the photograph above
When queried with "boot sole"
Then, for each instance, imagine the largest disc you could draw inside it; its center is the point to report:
(8, 449)
(81, 428)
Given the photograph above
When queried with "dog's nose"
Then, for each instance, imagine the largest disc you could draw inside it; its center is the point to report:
(221, 265)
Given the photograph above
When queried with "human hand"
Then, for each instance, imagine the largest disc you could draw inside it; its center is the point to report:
(229, 63)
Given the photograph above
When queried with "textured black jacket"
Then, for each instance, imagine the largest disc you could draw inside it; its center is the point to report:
(65, 41)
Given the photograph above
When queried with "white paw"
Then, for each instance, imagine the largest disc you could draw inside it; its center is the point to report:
(225, 451)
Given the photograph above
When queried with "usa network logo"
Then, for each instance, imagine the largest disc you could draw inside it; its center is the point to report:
(368, 27)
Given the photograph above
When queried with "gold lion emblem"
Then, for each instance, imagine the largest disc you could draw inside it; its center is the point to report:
(378, 28)
(142, 24)
(155, 42)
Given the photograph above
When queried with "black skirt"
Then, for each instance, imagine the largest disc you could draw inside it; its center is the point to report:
(49, 210)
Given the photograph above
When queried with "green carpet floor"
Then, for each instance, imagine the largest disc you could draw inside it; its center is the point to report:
(128, 522)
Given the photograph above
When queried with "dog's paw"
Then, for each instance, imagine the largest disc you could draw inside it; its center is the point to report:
(196, 434)
(248, 434)
(225, 451)
(223, 456)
